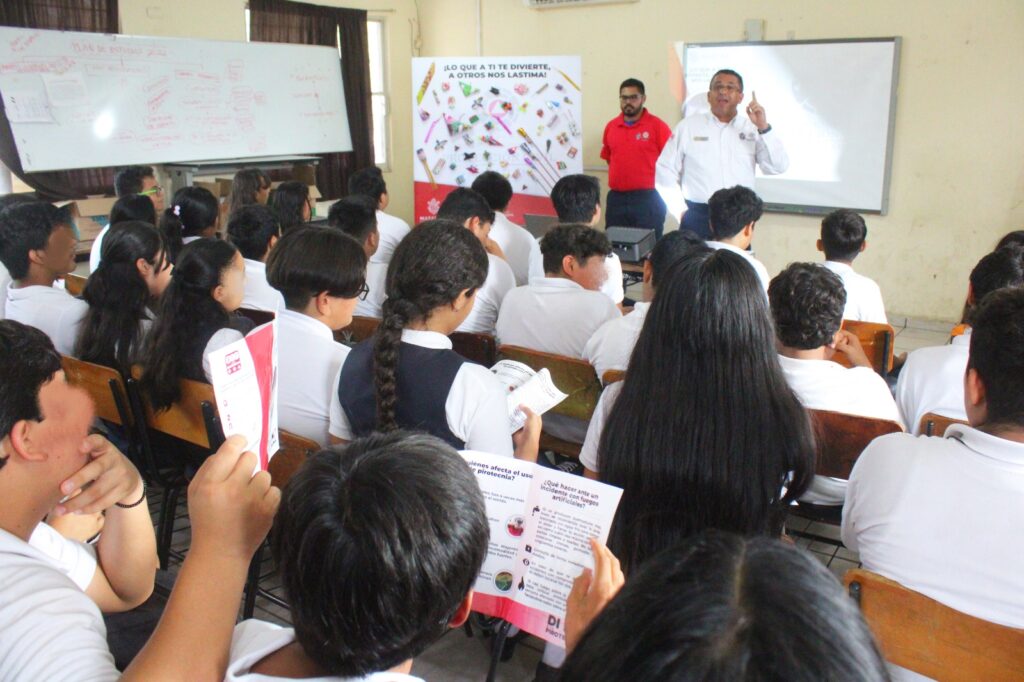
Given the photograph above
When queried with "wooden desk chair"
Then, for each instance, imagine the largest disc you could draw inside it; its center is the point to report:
(612, 376)
(257, 317)
(74, 284)
(571, 375)
(935, 424)
(479, 348)
(922, 635)
(360, 329)
(106, 388)
(878, 341)
(959, 330)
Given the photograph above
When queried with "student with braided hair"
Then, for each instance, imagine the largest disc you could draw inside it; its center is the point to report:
(407, 376)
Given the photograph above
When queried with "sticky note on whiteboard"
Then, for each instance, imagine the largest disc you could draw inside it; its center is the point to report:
(27, 106)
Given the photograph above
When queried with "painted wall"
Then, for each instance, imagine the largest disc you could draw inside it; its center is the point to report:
(958, 176)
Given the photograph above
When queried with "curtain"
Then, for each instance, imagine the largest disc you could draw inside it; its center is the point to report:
(281, 21)
(97, 16)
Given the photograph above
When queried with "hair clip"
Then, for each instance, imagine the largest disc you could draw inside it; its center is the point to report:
(177, 210)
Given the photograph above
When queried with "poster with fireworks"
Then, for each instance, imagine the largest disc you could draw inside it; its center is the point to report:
(518, 116)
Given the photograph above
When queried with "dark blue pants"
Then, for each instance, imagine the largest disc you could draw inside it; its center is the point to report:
(638, 208)
(696, 220)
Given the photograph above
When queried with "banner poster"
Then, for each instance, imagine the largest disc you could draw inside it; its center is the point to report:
(518, 116)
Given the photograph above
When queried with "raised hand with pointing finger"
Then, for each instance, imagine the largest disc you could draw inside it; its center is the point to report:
(756, 113)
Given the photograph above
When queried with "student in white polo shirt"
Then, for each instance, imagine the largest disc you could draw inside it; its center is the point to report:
(732, 214)
(37, 245)
(843, 238)
(612, 344)
(254, 229)
(129, 181)
(356, 216)
(516, 242)
(7, 201)
(807, 302)
(468, 208)
(370, 183)
(320, 273)
(932, 379)
(941, 515)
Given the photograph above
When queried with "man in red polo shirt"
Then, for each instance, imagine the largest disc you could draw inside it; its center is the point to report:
(631, 146)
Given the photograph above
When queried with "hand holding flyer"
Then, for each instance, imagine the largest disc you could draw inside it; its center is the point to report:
(536, 390)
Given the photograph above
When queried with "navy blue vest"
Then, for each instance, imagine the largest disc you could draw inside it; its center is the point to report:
(424, 379)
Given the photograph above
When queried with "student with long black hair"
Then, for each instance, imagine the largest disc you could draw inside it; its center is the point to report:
(290, 201)
(703, 432)
(407, 376)
(134, 271)
(194, 318)
(192, 214)
(250, 186)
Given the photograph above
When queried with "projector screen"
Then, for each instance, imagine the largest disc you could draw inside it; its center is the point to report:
(833, 103)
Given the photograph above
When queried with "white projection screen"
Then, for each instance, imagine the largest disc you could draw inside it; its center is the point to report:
(833, 102)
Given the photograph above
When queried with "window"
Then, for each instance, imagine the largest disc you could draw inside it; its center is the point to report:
(378, 91)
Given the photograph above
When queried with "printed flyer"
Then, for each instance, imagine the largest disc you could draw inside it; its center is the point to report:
(518, 116)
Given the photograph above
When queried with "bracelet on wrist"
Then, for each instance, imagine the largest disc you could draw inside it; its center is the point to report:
(766, 130)
(141, 499)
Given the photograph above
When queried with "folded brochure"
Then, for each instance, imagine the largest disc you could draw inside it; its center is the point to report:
(527, 387)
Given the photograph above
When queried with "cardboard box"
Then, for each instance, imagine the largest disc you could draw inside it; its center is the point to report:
(90, 215)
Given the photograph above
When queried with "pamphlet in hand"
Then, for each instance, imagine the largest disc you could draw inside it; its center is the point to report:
(244, 378)
(541, 523)
(526, 387)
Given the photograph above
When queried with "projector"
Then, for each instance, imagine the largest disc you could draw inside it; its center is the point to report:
(631, 244)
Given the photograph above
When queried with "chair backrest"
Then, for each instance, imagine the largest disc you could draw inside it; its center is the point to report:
(293, 451)
(571, 375)
(612, 375)
(257, 317)
(104, 385)
(877, 340)
(74, 284)
(922, 635)
(842, 437)
(360, 329)
(935, 424)
(480, 348)
(193, 418)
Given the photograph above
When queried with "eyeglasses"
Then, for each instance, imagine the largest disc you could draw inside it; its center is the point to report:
(728, 87)
(364, 291)
(155, 189)
(629, 98)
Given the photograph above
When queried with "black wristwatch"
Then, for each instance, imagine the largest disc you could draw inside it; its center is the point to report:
(766, 130)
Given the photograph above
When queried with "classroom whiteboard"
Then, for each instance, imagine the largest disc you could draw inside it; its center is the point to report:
(79, 100)
(833, 103)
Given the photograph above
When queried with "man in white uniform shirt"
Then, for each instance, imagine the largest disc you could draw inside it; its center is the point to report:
(254, 229)
(843, 238)
(933, 513)
(733, 213)
(129, 180)
(8, 201)
(355, 216)
(516, 242)
(370, 183)
(716, 149)
(807, 307)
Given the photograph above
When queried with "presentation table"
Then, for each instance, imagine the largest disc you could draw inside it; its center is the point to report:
(184, 174)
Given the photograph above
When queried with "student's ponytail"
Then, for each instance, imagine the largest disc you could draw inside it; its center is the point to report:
(436, 262)
(192, 211)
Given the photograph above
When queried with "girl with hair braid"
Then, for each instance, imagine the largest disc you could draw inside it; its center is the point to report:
(407, 375)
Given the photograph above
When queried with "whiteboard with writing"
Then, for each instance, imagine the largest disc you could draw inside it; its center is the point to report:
(79, 100)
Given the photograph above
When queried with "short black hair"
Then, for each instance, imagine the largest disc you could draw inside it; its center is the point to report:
(288, 201)
(27, 361)
(633, 83)
(369, 182)
(355, 215)
(378, 543)
(732, 209)
(133, 207)
(494, 188)
(1000, 269)
(251, 228)
(9, 200)
(308, 260)
(726, 72)
(461, 204)
(27, 227)
(129, 180)
(579, 241)
(997, 353)
(807, 302)
(670, 249)
(576, 198)
(1016, 237)
(842, 234)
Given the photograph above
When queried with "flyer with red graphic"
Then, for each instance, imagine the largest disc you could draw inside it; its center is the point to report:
(518, 116)
(244, 378)
(541, 523)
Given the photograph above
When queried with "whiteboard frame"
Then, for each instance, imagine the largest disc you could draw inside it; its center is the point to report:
(808, 209)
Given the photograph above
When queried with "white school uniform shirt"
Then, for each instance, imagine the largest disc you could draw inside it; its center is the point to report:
(54, 311)
(476, 407)
(222, 337)
(705, 155)
(49, 628)
(76, 560)
(588, 453)
(517, 244)
(499, 282)
(259, 295)
(553, 315)
(932, 380)
(612, 344)
(254, 640)
(97, 246)
(759, 268)
(940, 516)
(392, 230)
(827, 385)
(5, 281)
(612, 287)
(863, 297)
(376, 280)
(309, 359)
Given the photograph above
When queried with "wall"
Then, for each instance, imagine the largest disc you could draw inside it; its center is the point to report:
(957, 181)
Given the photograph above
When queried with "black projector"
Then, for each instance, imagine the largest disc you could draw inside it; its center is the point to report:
(631, 244)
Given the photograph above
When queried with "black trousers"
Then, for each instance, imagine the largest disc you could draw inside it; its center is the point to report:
(638, 208)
